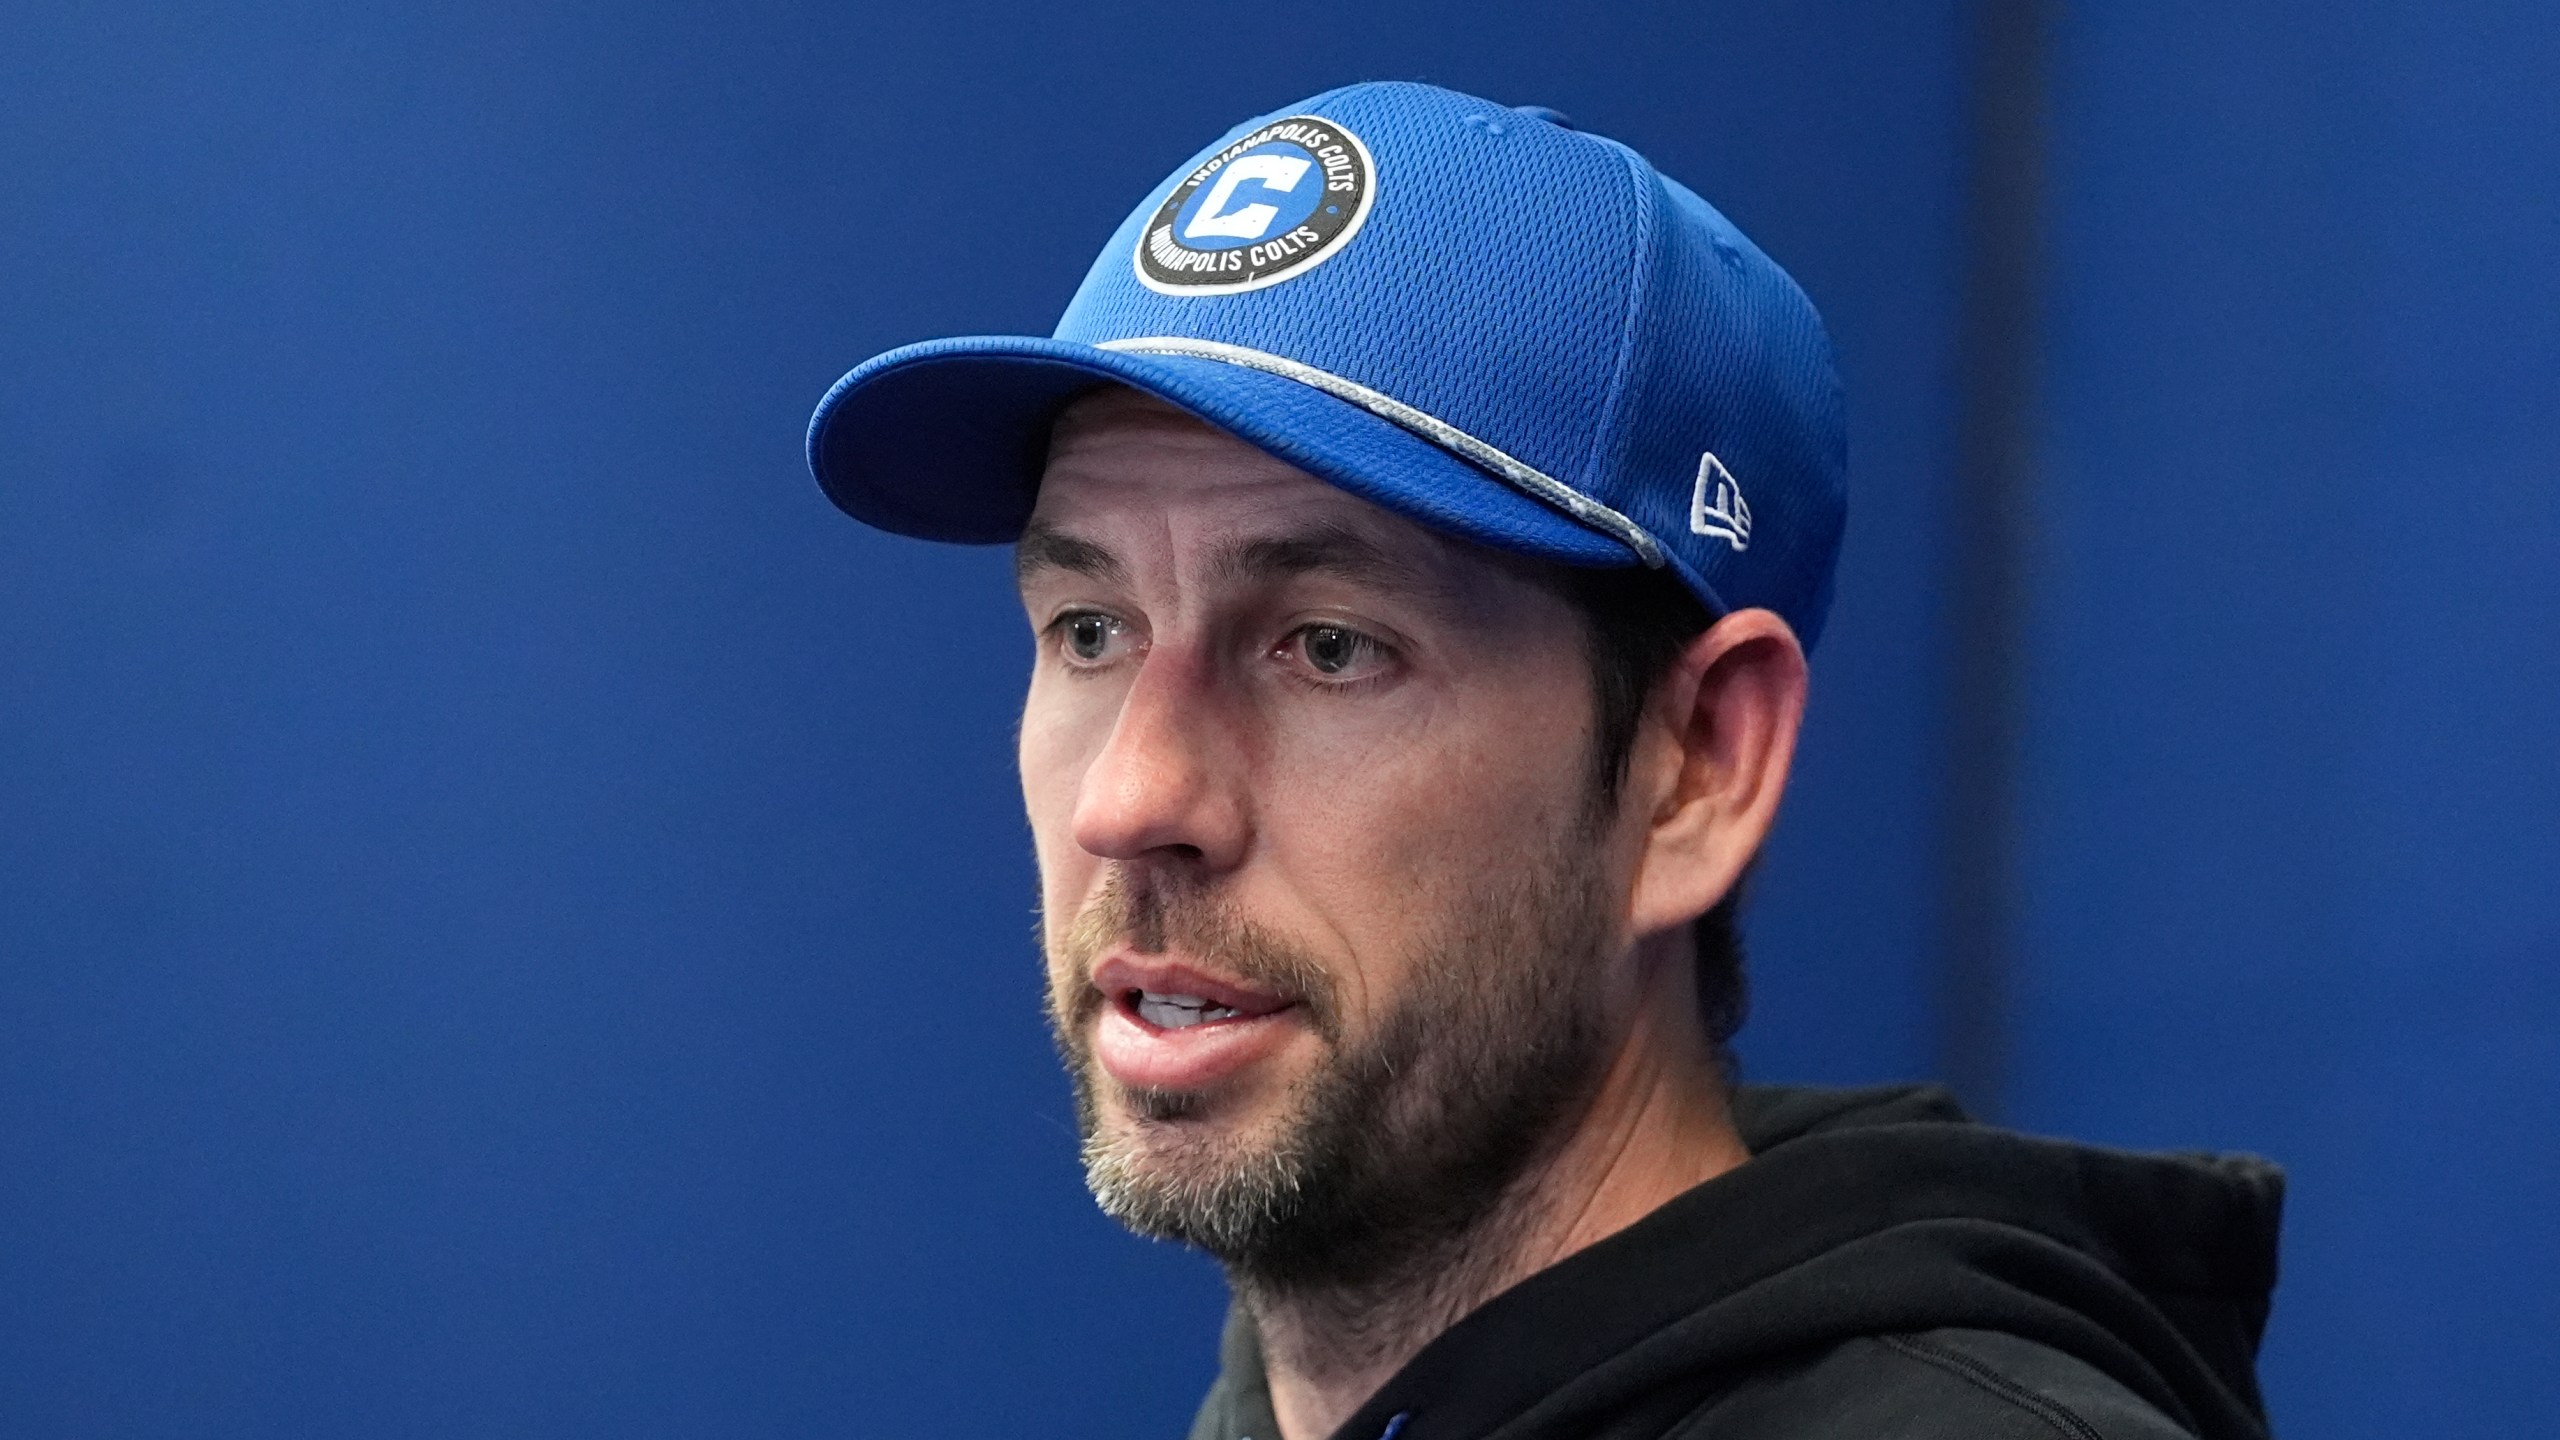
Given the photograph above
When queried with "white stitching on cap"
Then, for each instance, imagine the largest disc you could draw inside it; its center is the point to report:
(1430, 427)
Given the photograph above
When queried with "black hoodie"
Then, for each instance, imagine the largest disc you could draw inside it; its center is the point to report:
(1881, 1268)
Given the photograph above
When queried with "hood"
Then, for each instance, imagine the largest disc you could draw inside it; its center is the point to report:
(1862, 1212)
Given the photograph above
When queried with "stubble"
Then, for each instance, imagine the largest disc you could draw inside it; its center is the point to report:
(1390, 1155)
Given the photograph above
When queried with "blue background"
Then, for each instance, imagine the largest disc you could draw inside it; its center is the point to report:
(514, 917)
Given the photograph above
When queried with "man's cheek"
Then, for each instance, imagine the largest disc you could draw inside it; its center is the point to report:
(1421, 817)
(1052, 776)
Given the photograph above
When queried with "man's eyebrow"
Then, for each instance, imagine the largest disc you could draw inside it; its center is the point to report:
(1044, 548)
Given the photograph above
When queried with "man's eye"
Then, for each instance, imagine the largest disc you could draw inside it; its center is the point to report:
(1336, 652)
(1088, 638)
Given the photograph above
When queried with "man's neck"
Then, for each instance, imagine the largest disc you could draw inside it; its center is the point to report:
(1657, 1125)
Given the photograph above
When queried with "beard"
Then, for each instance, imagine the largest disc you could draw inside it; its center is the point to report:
(1399, 1144)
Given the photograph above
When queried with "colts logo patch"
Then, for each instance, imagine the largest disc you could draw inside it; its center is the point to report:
(1272, 205)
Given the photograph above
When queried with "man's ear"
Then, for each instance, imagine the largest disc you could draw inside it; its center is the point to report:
(1711, 761)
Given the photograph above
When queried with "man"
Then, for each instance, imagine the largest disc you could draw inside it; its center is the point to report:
(1422, 513)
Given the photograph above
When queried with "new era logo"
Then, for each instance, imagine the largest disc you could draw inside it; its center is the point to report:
(1716, 507)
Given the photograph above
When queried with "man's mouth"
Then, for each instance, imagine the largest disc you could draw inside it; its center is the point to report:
(1179, 1012)
(1168, 1025)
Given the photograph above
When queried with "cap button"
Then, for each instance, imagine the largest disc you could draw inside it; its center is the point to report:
(1541, 112)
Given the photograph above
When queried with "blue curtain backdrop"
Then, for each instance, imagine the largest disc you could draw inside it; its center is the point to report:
(514, 917)
(2293, 774)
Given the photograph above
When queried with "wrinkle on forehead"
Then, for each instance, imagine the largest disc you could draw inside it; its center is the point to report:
(1119, 435)
(1117, 453)
(1112, 407)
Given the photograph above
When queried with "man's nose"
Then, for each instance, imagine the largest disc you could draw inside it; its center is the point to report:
(1165, 785)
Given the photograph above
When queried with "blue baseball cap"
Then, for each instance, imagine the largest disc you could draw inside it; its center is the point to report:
(1469, 314)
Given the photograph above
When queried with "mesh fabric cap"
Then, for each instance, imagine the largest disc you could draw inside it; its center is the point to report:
(1519, 333)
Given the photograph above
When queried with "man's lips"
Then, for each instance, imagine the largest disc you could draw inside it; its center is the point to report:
(1166, 1025)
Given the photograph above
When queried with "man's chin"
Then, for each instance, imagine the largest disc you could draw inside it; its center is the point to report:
(1190, 1128)
(1168, 1165)
(1186, 1115)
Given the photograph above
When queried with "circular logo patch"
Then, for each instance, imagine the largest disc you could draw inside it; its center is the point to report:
(1265, 208)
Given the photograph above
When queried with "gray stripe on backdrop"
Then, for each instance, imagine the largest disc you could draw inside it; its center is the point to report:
(1999, 332)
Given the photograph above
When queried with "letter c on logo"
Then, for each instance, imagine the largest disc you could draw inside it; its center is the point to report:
(1277, 172)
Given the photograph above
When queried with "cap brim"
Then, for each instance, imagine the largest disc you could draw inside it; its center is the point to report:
(946, 441)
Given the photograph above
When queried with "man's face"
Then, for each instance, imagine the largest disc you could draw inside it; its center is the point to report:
(1329, 903)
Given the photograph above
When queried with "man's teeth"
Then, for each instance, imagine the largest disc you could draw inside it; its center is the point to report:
(1175, 1012)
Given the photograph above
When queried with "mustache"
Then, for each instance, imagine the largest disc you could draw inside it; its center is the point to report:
(1156, 912)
